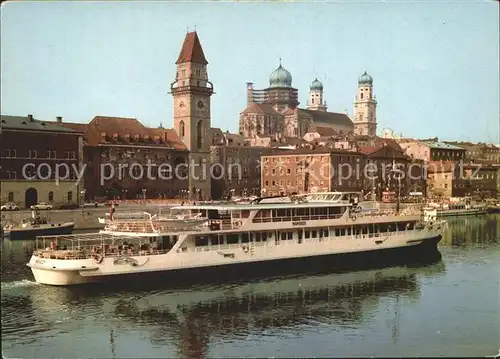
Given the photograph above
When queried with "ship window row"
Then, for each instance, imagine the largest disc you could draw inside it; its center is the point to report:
(298, 214)
(232, 238)
(303, 234)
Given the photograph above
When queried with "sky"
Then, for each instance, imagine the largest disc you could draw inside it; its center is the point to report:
(435, 65)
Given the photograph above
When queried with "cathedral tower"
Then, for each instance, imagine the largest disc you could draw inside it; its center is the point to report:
(192, 91)
(315, 101)
(365, 107)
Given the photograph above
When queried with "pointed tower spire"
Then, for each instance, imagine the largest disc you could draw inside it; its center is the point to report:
(191, 50)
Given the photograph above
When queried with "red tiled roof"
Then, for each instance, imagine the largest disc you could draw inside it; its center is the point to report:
(125, 129)
(191, 50)
(367, 150)
(379, 142)
(325, 131)
(318, 150)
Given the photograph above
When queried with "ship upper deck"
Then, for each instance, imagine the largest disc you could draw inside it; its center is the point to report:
(259, 206)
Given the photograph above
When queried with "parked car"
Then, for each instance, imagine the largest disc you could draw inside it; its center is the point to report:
(90, 204)
(10, 206)
(42, 206)
(69, 205)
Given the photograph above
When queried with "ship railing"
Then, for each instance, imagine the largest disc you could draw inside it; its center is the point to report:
(132, 226)
(94, 245)
(387, 213)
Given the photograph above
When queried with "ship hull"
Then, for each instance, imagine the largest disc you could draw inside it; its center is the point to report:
(29, 233)
(423, 252)
(461, 212)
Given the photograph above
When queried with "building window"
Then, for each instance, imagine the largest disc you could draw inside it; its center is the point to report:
(10, 153)
(51, 196)
(70, 196)
(182, 129)
(66, 155)
(73, 155)
(361, 95)
(199, 135)
(11, 196)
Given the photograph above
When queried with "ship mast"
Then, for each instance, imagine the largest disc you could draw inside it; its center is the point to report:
(398, 177)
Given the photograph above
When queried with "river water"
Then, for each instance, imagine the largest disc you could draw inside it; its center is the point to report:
(448, 308)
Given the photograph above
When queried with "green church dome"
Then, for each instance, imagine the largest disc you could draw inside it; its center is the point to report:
(365, 79)
(316, 85)
(280, 78)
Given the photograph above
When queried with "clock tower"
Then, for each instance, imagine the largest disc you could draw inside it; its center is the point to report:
(192, 91)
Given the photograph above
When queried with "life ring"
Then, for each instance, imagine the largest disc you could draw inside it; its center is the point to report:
(98, 258)
(353, 217)
(245, 248)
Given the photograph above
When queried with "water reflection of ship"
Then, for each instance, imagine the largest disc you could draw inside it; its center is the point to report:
(462, 231)
(340, 299)
(193, 317)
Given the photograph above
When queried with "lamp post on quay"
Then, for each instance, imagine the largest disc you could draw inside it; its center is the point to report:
(82, 196)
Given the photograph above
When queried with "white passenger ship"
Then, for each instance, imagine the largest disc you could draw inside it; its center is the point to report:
(237, 238)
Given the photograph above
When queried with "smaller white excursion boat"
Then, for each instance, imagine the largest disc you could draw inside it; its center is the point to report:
(36, 225)
(460, 208)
